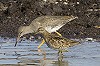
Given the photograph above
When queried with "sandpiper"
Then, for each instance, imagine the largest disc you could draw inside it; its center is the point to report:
(56, 42)
(50, 23)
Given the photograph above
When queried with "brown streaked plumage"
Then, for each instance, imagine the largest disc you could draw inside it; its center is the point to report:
(56, 42)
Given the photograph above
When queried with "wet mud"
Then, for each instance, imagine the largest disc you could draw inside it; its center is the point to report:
(16, 13)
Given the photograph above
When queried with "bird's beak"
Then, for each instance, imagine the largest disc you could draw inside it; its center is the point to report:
(17, 39)
(16, 42)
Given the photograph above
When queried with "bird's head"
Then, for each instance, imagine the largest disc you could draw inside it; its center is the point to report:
(22, 31)
(41, 30)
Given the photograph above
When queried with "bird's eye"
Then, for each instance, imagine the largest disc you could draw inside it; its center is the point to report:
(41, 29)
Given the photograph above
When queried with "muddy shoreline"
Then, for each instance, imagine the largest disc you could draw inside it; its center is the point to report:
(16, 13)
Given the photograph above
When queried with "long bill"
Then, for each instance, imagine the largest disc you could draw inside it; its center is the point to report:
(17, 39)
(16, 43)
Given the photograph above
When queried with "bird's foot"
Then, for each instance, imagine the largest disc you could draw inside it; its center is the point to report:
(42, 52)
(39, 51)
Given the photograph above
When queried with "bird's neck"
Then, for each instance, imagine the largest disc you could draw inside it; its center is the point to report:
(46, 35)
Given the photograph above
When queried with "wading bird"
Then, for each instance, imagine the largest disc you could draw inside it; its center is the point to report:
(56, 42)
(50, 23)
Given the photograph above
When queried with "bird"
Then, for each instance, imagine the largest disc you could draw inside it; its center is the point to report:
(50, 23)
(55, 41)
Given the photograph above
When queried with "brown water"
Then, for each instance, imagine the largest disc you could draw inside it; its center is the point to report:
(26, 54)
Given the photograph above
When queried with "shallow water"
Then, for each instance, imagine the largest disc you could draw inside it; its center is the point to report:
(26, 54)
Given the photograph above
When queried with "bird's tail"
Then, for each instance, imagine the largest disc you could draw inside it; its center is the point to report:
(73, 43)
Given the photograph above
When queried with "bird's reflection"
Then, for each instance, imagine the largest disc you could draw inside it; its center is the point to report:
(52, 62)
(60, 62)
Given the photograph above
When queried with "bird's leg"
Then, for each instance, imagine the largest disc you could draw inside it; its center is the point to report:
(39, 50)
(60, 52)
(60, 55)
(58, 33)
(41, 43)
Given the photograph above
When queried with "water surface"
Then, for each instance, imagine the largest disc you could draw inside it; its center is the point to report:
(26, 54)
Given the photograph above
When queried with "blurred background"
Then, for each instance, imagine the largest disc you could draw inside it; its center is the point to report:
(16, 13)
